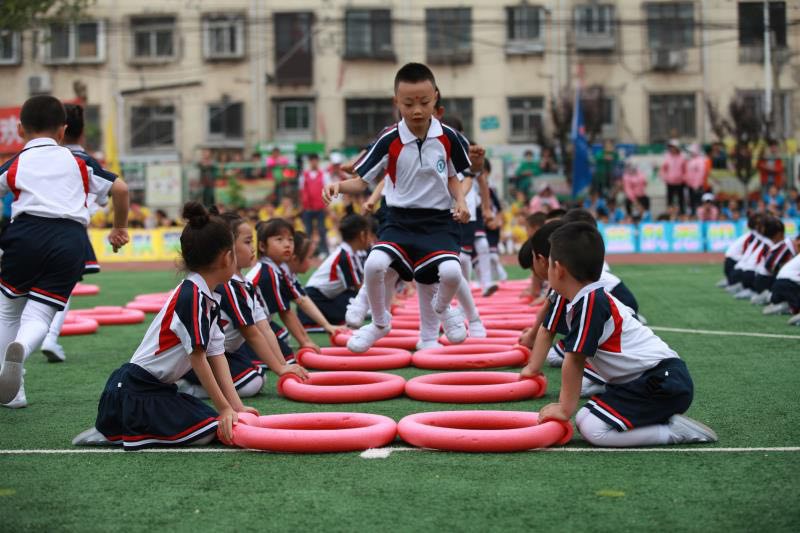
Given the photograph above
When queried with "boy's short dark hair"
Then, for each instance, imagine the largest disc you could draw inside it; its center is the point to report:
(454, 122)
(773, 226)
(555, 213)
(414, 73)
(536, 220)
(579, 248)
(75, 122)
(525, 254)
(42, 113)
(541, 239)
(578, 214)
(754, 220)
(351, 226)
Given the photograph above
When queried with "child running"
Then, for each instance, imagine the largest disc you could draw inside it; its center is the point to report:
(45, 244)
(141, 406)
(422, 158)
(648, 385)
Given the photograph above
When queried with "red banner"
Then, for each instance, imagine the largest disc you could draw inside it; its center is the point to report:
(10, 141)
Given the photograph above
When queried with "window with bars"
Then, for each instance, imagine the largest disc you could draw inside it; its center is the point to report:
(594, 27)
(526, 118)
(460, 108)
(672, 116)
(82, 42)
(293, 48)
(368, 34)
(294, 119)
(365, 118)
(223, 36)
(225, 121)
(152, 126)
(524, 29)
(10, 48)
(670, 25)
(449, 35)
(153, 38)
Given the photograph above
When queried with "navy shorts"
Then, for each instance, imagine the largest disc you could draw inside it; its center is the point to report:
(735, 276)
(652, 398)
(622, 293)
(418, 240)
(244, 366)
(91, 266)
(467, 240)
(282, 334)
(748, 279)
(728, 268)
(786, 290)
(333, 309)
(43, 259)
(763, 283)
(139, 411)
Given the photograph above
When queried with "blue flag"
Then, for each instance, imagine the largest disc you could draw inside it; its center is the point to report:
(581, 163)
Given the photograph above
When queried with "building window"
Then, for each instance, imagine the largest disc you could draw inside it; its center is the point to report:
(293, 48)
(10, 48)
(670, 25)
(223, 36)
(524, 29)
(153, 38)
(368, 34)
(460, 108)
(83, 42)
(526, 118)
(672, 116)
(294, 119)
(449, 35)
(751, 30)
(225, 121)
(781, 120)
(594, 27)
(365, 118)
(599, 116)
(152, 126)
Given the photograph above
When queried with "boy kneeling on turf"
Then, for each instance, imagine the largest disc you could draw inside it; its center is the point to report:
(648, 385)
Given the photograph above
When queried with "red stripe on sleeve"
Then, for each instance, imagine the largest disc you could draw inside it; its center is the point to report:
(234, 305)
(11, 179)
(587, 321)
(84, 177)
(394, 153)
(196, 312)
(166, 338)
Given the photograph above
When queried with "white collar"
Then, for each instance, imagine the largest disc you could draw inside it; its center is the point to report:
(583, 292)
(347, 248)
(406, 136)
(270, 263)
(198, 280)
(75, 148)
(41, 141)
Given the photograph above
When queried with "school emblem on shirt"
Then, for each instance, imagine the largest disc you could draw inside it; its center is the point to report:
(440, 166)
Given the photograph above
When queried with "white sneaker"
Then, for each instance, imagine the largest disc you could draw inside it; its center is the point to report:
(364, 337)
(760, 299)
(453, 324)
(554, 358)
(744, 294)
(20, 400)
(684, 429)
(53, 351)
(356, 314)
(781, 308)
(91, 437)
(733, 289)
(476, 330)
(795, 320)
(11, 373)
(722, 283)
(589, 388)
(426, 345)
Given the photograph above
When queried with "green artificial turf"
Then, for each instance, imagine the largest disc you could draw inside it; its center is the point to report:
(745, 388)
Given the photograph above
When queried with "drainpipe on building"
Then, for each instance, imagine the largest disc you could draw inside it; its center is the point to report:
(767, 70)
(704, 67)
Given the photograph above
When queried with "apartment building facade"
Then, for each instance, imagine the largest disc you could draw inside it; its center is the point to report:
(177, 77)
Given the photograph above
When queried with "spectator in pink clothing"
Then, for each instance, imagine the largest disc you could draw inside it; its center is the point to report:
(707, 212)
(634, 183)
(544, 200)
(673, 172)
(696, 170)
(275, 159)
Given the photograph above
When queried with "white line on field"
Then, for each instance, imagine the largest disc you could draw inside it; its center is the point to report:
(383, 453)
(731, 333)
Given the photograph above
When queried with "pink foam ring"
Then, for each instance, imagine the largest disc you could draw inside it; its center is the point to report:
(110, 315)
(482, 431)
(487, 309)
(460, 357)
(85, 289)
(160, 296)
(474, 387)
(509, 322)
(405, 323)
(314, 432)
(146, 306)
(78, 325)
(493, 336)
(404, 339)
(340, 358)
(341, 387)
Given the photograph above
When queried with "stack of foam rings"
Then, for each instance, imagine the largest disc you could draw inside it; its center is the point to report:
(84, 289)
(470, 377)
(149, 303)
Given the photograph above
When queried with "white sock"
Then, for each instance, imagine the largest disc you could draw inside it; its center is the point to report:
(450, 278)
(34, 325)
(58, 322)
(251, 388)
(208, 439)
(466, 265)
(375, 269)
(10, 313)
(467, 302)
(390, 288)
(361, 297)
(598, 433)
(428, 321)
(484, 261)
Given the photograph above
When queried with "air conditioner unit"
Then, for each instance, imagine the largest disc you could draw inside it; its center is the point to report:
(665, 59)
(40, 84)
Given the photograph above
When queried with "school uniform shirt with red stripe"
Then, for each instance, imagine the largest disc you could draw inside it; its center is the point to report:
(187, 321)
(275, 288)
(417, 169)
(737, 248)
(619, 347)
(295, 286)
(791, 270)
(239, 307)
(754, 253)
(779, 254)
(48, 180)
(338, 273)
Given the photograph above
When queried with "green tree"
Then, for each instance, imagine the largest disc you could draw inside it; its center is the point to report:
(23, 14)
